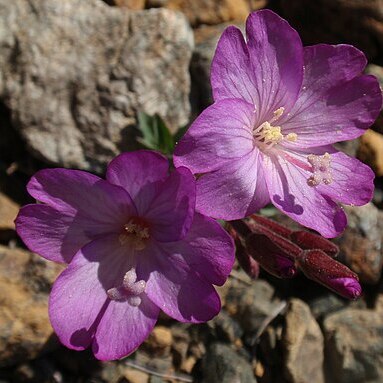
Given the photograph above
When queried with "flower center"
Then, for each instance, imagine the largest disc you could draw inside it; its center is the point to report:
(135, 233)
(268, 135)
(130, 290)
(321, 168)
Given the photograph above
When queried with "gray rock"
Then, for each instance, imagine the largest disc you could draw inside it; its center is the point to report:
(354, 344)
(222, 364)
(302, 343)
(74, 73)
(361, 243)
(250, 305)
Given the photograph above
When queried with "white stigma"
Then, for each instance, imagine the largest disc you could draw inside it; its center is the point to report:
(129, 291)
(268, 135)
(321, 169)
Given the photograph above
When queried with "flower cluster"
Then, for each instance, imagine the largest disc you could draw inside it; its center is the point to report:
(144, 239)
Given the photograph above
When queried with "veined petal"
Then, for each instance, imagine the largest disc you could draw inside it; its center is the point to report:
(276, 56)
(207, 249)
(222, 132)
(352, 181)
(336, 102)
(176, 288)
(138, 173)
(55, 235)
(234, 191)
(75, 192)
(231, 72)
(290, 193)
(82, 289)
(123, 328)
(171, 211)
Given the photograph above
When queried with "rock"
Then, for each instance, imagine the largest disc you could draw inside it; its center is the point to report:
(211, 12)
(24, 325)
(250, 305)
(361, 243)
(354, 344)
(74, 73)
(371, 151)
(222, 364)
(225, 328)
(160, 340)
(356, 22)
(130, 4)
(302, 343)
(156, 3)
(326, 304)
(135, 376)
(8, 212)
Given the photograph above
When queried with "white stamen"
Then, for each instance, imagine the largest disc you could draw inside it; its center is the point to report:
(321, 169)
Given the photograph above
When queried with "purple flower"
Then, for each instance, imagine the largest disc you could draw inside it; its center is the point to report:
(137, 247)
(278, 108)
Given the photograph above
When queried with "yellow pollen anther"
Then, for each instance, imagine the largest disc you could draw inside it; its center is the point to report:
(266, 135)
(278, 113)
(135, 234)
(292, 137)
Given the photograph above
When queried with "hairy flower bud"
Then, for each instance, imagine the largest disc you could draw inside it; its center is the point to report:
(273, 258)
(308, 241)
(319, 267)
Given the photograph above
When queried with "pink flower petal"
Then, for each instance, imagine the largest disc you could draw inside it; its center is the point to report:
(276, 55)
(207, 249)
(139, 173)
(336, 102)
(76, 192)
(79, 296)
(290, 193)
(176, 288)
(223, 132)
(235, 190)
(171, 211)
(55, 235)
(123, 328)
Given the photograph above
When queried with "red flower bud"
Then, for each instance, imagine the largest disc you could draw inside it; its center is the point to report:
(309, 241)
(319, 267)
(271, 225)
(249, 265)
(274, 259)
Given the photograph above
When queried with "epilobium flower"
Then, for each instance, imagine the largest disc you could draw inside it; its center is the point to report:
(278, 108)
(137, 247)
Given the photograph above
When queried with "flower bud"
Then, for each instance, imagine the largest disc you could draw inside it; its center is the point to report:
(321, 268)
(249, 265)
(274, 259)
(309, 241)
(271, 225)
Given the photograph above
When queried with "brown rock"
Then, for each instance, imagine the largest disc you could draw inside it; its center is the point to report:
(8, 212)
(357, 22)
(371, 151)
(135, 376)
(130, 4)
(361, 243)
(24, 325)
(211, 12)
(302, 343)
(354, 346)
(160, 340)
(75, 73)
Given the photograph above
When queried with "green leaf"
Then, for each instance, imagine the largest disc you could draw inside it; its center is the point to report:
(155, 133)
